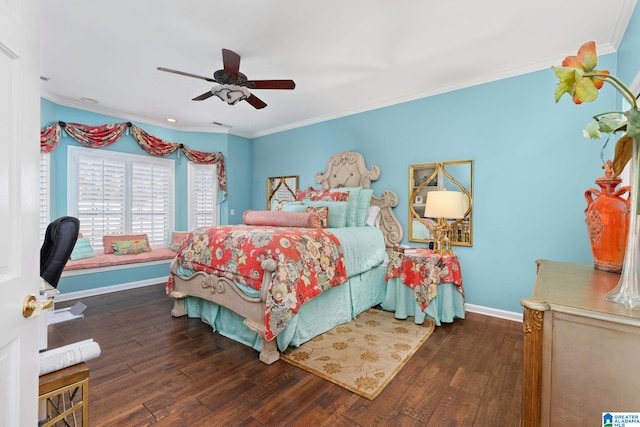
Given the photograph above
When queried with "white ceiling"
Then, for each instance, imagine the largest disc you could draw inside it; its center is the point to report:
(345, 56)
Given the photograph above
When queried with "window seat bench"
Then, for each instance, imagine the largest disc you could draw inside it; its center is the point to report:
(111, 260)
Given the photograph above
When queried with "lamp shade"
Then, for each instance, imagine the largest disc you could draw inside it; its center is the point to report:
(446, 204)
(231, 94)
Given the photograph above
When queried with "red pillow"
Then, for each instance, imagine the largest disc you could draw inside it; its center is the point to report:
(277, 218)
(319, 216)
(322, 195)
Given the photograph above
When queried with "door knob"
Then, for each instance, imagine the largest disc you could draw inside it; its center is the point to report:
(32, 306)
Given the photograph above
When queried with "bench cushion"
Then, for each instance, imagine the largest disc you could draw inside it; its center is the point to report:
(108, 260)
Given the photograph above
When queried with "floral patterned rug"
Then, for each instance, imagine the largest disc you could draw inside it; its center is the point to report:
(363, 355)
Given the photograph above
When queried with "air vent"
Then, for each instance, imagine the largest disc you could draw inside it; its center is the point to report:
(222, 125)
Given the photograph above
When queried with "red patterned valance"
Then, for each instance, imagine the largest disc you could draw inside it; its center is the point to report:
(95, 136)
(151, 144)
(49, 138)
(104, 135)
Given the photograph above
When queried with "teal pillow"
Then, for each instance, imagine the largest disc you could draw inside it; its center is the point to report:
(82, 249)
(337, 211)
(293, 207)
(362, 210)
(354, 193)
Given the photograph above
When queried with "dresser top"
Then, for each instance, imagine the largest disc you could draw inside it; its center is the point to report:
(577, 287)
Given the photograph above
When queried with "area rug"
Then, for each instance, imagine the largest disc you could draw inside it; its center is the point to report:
(363, 355)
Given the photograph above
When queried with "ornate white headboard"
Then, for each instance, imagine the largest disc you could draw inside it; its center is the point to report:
(348, 169)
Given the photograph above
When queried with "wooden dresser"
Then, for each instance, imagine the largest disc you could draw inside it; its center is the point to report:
(581, 353)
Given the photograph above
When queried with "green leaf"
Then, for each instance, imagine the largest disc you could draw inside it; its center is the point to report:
(633, 123)
(610, 123)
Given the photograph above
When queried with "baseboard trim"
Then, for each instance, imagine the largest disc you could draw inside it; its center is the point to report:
(67, 296)
(494, 312)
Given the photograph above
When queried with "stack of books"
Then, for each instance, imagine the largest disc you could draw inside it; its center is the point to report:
(403, 249)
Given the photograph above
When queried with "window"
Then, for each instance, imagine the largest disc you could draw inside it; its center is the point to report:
(203, 196)
(45, 177)
(119, 193)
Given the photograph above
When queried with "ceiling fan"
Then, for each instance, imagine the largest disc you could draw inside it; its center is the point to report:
(233, 86)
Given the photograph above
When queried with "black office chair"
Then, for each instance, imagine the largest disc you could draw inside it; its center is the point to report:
(59, 239)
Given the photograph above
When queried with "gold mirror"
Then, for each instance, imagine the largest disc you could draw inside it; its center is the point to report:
(281, 188)
(449, 176)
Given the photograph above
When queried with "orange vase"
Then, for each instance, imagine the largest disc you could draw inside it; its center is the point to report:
(607, 218)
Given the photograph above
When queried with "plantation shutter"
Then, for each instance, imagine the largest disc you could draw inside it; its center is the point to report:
(151, 201)
(203, 195)
(101, 198)
(120, 193)
(45, 159)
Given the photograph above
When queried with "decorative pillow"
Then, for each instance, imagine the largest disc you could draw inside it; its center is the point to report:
(322, 195)
(362, 210)
(107, 241)
(280, 206)
(354, 193)
(337, 211)
(177, 237)
(293, 207)
(82, 249)
(130, 247)
(319, 216)
(276, 218)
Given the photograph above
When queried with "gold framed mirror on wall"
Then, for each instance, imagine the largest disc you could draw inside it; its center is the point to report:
(441, 176)
(280, 189)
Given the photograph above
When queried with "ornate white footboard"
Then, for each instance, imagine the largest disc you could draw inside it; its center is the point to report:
(226, 293)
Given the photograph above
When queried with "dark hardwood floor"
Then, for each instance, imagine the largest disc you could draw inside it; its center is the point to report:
(156, 369)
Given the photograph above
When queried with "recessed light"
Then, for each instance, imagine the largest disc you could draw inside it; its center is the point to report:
(170, 120)
(89, 100)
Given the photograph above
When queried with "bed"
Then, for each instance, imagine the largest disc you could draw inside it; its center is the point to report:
(251, 309)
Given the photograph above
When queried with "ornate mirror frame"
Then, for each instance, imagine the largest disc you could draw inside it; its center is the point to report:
(454, 176)
(281, 188)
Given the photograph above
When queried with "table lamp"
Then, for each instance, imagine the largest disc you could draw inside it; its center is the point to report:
(445, 205)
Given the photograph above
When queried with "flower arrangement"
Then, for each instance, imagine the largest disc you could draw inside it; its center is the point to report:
(580, 79)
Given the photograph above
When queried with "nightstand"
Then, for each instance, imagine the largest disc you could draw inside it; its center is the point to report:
(424, 283)
(64, 396)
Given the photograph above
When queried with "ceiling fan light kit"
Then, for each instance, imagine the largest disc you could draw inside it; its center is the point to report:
(233, 86)
(231, 94)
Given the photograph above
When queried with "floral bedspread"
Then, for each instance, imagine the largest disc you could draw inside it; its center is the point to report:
(310, 261)
(424, 271)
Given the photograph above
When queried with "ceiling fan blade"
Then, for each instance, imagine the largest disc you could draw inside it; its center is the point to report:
(230, 62)
(182, 73)
(271, 84)
(256, 102)
(206, 95)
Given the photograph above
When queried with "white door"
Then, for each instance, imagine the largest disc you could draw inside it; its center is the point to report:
(19, 234)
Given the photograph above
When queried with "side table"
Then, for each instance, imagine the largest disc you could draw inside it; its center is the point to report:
(64, 397)
(424, 283)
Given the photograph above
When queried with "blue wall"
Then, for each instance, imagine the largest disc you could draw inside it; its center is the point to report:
(531, 165)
